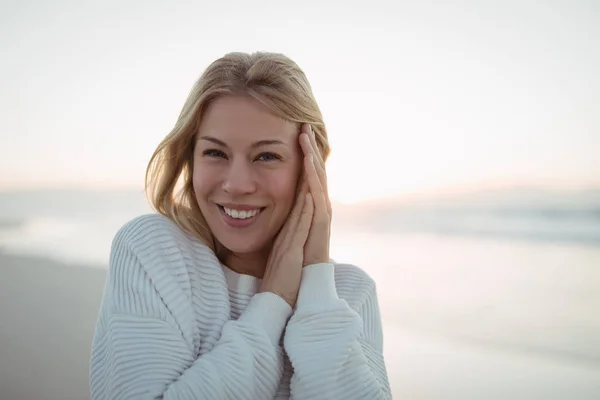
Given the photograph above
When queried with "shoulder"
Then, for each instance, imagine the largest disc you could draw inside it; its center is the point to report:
(159, 244)
(154, 246)
(150, 267)
(353, 283)
(153, 232)
(147, 228)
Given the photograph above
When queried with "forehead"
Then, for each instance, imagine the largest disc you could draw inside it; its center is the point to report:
(240, 119)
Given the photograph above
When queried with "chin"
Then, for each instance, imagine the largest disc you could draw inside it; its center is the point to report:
(241, 245)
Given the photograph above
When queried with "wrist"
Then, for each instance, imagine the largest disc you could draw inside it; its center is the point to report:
(317, 285)
(290, 300)
(315, 260)
(269, 312)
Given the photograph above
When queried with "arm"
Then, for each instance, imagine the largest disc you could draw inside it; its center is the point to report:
(140, 350)
(336, 351)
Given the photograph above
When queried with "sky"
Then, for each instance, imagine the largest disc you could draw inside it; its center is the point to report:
(417, 96)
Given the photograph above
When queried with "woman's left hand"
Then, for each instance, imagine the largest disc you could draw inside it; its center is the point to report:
(316, 249)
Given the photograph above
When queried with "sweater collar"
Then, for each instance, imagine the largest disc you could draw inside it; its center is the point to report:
(241, 283)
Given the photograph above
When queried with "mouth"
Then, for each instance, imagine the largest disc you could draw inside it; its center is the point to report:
(238, 217)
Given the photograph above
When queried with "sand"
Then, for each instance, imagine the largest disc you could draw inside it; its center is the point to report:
(48, 312)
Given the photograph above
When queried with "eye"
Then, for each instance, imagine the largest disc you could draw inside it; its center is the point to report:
(214, 153)
(268, 157)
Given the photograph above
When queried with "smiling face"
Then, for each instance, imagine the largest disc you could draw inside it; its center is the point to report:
(246, 167)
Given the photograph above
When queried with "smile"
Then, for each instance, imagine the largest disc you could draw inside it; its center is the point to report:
(241, 214)
(239, 218)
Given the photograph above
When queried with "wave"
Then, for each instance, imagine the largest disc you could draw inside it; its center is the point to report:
(533, 215)
(556, 225)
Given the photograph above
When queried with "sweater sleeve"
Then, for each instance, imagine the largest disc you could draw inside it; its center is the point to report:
(336, 351)
(139, 350)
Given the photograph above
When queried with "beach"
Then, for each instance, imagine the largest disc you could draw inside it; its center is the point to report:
(475, 303)
(49, 310)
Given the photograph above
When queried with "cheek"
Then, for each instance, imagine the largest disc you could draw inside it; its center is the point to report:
(202, 180)
(282, 187)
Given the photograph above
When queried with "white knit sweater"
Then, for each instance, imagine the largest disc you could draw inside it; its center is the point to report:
(174, 323)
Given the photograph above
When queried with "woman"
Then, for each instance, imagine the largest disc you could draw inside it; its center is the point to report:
(228, 291)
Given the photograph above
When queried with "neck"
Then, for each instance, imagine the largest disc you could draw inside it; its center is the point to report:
(252, 264)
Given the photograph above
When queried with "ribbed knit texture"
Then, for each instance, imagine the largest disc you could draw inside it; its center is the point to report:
(176, 324)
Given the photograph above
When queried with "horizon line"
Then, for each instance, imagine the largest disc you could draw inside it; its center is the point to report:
(438, 191)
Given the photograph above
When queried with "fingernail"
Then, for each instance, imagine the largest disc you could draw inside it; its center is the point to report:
(309, 128)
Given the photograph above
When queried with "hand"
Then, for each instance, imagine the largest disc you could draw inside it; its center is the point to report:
(284, 265)
(316, 249)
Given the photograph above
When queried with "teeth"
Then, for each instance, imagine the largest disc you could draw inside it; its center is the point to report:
(239, 214)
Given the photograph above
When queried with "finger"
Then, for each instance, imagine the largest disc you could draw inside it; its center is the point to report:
(308, 144)
(304, 224)
(313, 142)
(296, 211)
(294, 216)
(309, 147)
(320, 166)
(314, 185)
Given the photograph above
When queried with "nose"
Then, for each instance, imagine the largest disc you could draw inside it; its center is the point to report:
(239, 179)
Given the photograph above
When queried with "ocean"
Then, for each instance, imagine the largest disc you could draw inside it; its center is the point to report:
(502, 285)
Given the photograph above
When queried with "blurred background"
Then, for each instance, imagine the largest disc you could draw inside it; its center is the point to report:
(465, 174)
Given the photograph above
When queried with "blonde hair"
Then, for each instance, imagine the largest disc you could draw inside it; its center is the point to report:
(273, 79)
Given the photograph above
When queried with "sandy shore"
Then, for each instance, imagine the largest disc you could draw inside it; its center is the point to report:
(48, 311)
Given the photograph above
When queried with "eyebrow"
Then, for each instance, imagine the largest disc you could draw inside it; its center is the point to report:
(264, 142)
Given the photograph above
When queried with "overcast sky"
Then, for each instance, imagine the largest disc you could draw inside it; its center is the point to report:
(416, 95)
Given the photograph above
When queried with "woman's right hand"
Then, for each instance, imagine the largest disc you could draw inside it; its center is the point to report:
(284, 266)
